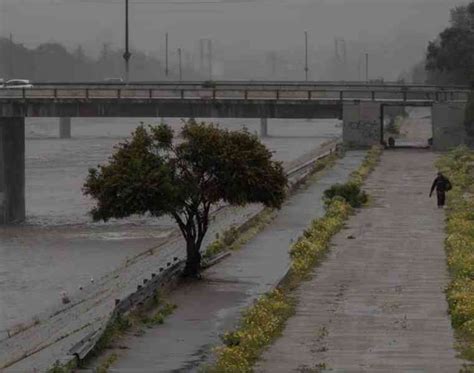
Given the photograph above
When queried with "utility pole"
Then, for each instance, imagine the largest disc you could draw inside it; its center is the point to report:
(166, 54)
(359, 68)
(367, 67)
(306, 55)
(179, 65)
(127, 54)
(209, 47)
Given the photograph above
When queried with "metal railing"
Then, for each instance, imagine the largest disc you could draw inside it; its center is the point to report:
(385, 93)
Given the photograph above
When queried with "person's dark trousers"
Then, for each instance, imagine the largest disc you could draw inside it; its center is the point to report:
(441, 198)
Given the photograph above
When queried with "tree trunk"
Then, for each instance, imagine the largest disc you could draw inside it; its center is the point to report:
(193, 260)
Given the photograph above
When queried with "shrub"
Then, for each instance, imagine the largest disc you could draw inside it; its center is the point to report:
(351, 193)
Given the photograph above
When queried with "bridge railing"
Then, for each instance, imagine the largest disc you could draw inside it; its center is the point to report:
(265, 93)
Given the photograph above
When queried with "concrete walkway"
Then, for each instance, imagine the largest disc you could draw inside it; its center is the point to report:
(210, 307)
(377, 302)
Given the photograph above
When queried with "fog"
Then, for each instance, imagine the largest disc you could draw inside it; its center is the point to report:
(243, 32)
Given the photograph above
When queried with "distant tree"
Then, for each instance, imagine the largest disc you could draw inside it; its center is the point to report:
(463, 17)
(452, 53)
(54, 62)
(469, 119)
(151, 174)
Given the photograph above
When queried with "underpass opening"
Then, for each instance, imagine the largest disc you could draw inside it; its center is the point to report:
(406, 126)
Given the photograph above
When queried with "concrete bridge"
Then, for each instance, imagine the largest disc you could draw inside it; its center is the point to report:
(360, 106)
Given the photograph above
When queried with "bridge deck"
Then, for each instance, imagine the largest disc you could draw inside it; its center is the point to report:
(244, 100)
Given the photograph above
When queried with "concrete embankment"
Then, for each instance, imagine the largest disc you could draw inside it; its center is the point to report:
(377, 303)
(210, 307)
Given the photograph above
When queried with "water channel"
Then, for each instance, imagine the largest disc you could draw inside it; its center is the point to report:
(59, 248)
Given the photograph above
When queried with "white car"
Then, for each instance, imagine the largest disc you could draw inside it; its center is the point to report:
(18, 83)
(2, 83)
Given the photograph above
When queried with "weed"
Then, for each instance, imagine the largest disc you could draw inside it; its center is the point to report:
(458, 166)
(351, 193)
(107, 363)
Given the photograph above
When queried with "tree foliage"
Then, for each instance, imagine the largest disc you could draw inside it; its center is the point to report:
(152, 174)
(469, 120)
(452, 53)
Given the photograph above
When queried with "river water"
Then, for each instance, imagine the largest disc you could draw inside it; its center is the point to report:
(59, 248)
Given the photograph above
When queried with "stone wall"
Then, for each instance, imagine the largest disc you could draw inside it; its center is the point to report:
(361, 124)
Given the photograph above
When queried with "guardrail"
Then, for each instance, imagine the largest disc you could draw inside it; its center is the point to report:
(257, 93)
(256, 83)
(144, 294)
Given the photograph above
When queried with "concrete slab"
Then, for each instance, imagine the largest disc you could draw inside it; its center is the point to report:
(377, 302)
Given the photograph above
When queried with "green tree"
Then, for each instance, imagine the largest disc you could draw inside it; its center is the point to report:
(452, 54)
(469, 119)
(152, 174)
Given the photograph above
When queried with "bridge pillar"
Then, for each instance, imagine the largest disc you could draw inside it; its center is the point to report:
(263, 127)
(361, 124)
(12, 170)
(64, 128)
(448, 125)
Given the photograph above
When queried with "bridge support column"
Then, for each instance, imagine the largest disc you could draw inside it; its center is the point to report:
(263, 127)
(361, 124)
(12, 170)
(64, 128)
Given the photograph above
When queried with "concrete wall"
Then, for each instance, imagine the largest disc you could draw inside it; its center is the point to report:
(448, 125)
(361, 124)
(12, 170)
(125, 108)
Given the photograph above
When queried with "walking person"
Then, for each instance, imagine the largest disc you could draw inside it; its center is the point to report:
(442, 184)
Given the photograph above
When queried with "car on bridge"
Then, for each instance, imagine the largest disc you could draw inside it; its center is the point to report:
(18, 83)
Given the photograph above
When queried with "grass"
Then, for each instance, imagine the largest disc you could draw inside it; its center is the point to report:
(458, 166)
(62, 368)
(263, 322)
(107, 363)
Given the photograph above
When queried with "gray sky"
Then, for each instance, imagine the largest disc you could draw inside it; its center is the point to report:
(240, 27)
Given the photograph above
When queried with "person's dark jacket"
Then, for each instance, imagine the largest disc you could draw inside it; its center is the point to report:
(441, 184)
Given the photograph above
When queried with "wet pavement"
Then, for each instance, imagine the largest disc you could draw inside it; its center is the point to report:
(212, 306)
(377, 304)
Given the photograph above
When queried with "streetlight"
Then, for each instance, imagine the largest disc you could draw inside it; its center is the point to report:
(166, 55)
(127, 54)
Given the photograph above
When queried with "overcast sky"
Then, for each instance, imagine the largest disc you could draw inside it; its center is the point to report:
(247, 25)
